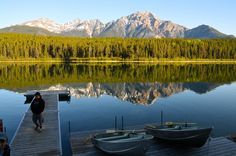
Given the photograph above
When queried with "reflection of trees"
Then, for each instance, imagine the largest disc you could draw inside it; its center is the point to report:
(23, 75)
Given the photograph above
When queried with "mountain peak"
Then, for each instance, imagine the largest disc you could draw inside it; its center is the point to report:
(204, 26)
(44, 23)
(204, 31)
(143, 15)
(44, 19)
(40, 20)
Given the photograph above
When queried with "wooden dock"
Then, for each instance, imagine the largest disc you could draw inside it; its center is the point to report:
(29, 142)
(47, 92)
(221, 146)
(64, 95)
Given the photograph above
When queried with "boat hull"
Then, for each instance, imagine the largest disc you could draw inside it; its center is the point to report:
(194, 138)
(136, 146)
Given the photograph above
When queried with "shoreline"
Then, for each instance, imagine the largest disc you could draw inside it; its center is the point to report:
(124, 61)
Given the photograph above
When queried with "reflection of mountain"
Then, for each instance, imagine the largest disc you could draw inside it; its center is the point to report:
(200, 87)
(140, 93)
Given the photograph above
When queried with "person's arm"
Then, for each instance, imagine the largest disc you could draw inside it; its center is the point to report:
(31, 105)
(42, 105)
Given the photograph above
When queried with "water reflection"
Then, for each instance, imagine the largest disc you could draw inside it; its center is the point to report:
(137, 93)
(36, 76)
(185, 92)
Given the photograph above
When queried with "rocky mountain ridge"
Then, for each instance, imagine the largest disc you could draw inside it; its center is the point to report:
(137, 25)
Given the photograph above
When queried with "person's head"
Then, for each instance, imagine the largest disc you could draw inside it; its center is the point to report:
(37, 95)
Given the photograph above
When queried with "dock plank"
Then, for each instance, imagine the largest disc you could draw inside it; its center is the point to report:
(29, 142)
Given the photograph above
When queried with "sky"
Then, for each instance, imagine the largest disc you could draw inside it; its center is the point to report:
(220, 14)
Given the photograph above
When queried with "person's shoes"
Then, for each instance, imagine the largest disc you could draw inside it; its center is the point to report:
(39, 130)
(40, 126)
(36, 128)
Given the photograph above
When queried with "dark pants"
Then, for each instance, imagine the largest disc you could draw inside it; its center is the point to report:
(37, 119)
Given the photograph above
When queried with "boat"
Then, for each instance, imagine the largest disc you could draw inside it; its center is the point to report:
(122, 142)
(187, 134)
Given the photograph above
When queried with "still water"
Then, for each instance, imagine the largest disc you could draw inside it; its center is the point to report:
(204, 94)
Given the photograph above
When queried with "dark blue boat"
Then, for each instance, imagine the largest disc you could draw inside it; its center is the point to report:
(180, 133)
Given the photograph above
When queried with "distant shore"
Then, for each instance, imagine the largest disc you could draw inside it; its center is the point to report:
(153, 61)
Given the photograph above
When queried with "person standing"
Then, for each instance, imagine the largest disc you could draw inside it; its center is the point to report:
(37, 107)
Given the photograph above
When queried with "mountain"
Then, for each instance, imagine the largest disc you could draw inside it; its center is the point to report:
(88, 28)
(142, 24)
(44, 23)
(138, 25)
(27, 30)
(204, 31)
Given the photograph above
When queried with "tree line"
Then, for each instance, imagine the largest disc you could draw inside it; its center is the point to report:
(24, 46)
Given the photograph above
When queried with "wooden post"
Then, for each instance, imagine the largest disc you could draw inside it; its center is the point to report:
(161, 117)
(122, 123)
(115, 122)
(69, 127)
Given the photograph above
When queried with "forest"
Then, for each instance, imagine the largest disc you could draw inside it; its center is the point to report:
(26, 46)
(17, 76)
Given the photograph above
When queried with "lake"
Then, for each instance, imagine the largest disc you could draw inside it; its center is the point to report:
(201, 93)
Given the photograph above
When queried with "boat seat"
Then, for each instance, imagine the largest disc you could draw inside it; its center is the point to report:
(112, 138)
(178, 127)
(152, 126)
(129, 139)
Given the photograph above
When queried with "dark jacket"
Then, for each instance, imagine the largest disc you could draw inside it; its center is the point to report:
(37, 106)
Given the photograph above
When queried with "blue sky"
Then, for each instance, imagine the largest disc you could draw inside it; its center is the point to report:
(221, 14)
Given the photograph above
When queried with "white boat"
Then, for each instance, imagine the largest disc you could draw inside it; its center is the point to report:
(122, 143)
